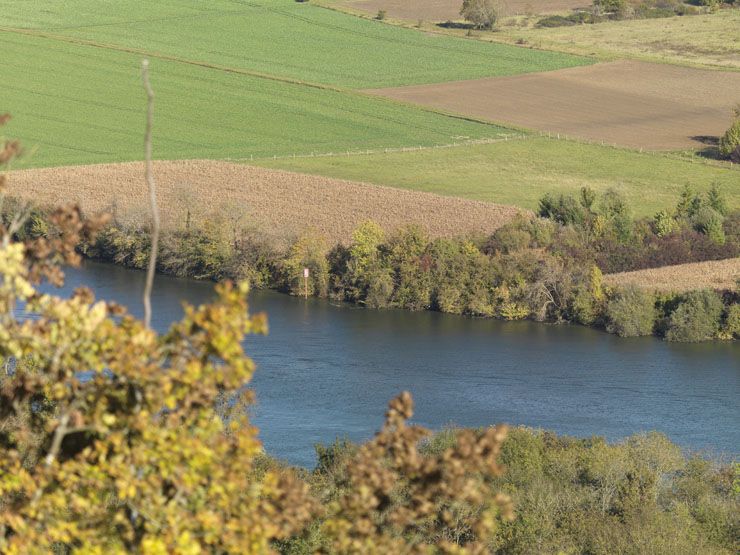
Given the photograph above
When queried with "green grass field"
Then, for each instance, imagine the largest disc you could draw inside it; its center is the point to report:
(80, 104)
(519, 172)
(282, 37)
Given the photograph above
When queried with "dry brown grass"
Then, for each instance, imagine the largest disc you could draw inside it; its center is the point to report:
(715, 274)
(634, 104)
(278, 203)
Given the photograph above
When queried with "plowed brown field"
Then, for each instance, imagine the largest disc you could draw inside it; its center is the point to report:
(444, 10)
(715, 274)
(634, 104)
(278, 203)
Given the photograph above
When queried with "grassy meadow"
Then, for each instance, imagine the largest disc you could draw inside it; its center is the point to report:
(519, 172)
(709, 40)
(283, 38)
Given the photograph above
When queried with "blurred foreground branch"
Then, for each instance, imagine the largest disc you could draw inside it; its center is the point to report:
(152, 193)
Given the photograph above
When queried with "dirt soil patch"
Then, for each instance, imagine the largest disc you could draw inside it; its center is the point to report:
(278, 203)
(714, 274)
(629, 103)
(449, 10)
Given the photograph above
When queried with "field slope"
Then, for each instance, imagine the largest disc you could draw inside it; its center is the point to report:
(519, 172)
(635, 104)
(710, 40)
(284, 38)
(714, 274)
(278, 204)
(75, 104)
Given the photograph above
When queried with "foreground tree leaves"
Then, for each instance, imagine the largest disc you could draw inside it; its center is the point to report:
(111, 436)
(115, 439)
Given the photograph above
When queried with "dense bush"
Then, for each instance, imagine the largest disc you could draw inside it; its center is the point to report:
(603, 231)
(605, 10)
(547, 268)
(631, 313)
(641, 495)
(576, 18)
(732, 321)
(729, 143)
(697, 318)
(481, 13)
(614, 8)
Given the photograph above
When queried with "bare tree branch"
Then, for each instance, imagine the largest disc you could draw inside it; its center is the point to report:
(152, 193)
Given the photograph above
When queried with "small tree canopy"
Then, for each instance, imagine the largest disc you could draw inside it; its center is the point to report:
(481, 13)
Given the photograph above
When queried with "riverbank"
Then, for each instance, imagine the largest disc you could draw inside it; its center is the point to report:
(410, 271)
(539, 269)
(326, 369)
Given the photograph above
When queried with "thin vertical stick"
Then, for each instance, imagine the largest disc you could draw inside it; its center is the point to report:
(152, 193)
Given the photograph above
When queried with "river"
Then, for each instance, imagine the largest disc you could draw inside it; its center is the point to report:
(327, 371)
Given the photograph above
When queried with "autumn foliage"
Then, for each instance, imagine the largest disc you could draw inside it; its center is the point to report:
(116, 439)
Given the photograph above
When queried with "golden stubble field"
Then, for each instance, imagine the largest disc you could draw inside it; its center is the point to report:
(276, 203)
(714, 274)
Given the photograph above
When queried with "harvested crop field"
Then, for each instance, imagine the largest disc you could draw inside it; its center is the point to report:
(629, 103)
(281, 204)
(714, 274)
(444, 10)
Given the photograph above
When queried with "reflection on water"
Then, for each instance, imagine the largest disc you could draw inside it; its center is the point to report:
(326, 371)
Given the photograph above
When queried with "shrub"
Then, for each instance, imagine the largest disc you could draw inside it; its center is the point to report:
(631, 313)
(716, 200)
(577, 18)
(709, 222)
(565, 209)
(697, 317)
(689, 203)
(510, 238)
(481, 13)
(732, 321)
(589, 298)
(379, 289)
(612, 8)
(729, 143)
(365, 242)
(617, 214)
(664, 223)
(308, 251)
(411, 266)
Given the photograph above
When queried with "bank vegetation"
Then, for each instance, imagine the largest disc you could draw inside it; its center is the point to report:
(547, 268)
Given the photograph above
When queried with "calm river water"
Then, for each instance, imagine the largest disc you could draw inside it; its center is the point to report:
(326, 371)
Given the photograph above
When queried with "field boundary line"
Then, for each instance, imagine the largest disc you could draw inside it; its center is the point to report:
(383, 150)
(502, 137)
(167, 57)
